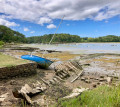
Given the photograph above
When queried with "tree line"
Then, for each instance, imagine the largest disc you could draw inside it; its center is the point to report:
(67, 38)
(8, 35)
(58, 38)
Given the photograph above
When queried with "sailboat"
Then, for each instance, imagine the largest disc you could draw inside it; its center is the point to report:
(43, 62)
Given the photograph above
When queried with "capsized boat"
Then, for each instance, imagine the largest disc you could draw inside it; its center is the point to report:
(42, 61)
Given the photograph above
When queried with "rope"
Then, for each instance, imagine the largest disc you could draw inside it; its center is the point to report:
(54, 35)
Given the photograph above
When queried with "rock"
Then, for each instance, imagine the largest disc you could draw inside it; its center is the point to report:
(96, 78)
(94, 85)
(102, 83)
(91, 77)
(101, 76)
(115, 77)
(82, 79)
(26, 92)
(3, 97)
(102, 79)
(87, 81)
(98, 83)
(75, 93)
(109, 80)
(86, 64)
(13, 82)
(16, 93)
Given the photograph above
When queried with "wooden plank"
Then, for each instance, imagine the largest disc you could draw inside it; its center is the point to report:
(77, 76)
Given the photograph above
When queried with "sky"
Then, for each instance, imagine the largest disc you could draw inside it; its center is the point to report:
(86, 18)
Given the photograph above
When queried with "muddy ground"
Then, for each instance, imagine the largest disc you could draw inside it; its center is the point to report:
(96, 69)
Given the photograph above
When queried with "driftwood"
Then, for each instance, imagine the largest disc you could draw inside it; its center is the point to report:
(27, 92)
(77, 76)
(45, 82)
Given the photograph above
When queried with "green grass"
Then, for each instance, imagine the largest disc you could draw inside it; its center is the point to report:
(0, 46)
(103, 96)
(6, 61)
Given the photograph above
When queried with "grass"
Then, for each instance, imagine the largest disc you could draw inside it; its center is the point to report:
(103, 96)
(6, 61)
(0, 46)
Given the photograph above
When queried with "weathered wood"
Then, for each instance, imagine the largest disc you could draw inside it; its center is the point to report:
(77, 76)
(45, 82)
(69, 66)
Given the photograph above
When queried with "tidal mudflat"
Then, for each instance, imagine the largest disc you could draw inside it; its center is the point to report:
(98, 69)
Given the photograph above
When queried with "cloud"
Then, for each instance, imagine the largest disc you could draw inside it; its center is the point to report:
(44, 20)
(32, 32)
(45, 11)
(106, 21)
(7, 23)
(67, 24)
(51, 26)
(26, 29)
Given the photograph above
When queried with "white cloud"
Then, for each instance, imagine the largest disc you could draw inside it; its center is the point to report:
(7, 23)
(32, 32)
(106, 21)
(44, 20)
(26, 29)
(44, 11)
(67, 24)
(51, 26)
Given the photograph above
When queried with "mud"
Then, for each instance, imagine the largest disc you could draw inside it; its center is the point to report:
(96, 67)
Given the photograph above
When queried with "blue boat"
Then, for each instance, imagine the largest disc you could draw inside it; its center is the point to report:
(41, 61)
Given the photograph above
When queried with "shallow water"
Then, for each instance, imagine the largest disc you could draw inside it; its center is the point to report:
(79, 48)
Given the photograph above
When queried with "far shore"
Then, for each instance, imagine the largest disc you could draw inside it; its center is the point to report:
(80, 48)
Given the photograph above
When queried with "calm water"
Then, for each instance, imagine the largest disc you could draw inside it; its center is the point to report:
(79, 48)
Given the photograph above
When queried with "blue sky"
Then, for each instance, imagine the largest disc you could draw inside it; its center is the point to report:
(86, 18)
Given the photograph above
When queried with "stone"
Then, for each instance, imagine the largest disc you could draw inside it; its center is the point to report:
(94, 85)
(75, 93)
(115, 77)
(83, 79)
(109, 80)
(87, 81)
(102, 79)
(101, 76)
(26, 91)
(98, 83)
(91, 77)
(13, 82)
(96, 78)
(3, 97)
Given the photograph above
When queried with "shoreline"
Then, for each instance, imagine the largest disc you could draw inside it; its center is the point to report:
(79, 48)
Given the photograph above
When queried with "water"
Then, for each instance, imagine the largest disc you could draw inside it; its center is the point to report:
(97, 47)
(79, 48)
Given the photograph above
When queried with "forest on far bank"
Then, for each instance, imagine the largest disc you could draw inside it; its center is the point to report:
(67, 38)
(8, 35)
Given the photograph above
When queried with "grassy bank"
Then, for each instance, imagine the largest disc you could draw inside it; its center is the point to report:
(103, 96)
(6, 60)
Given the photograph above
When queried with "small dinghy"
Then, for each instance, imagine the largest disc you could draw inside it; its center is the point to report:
(42, 61)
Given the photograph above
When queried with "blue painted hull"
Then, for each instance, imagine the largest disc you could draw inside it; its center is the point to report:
(42, 61)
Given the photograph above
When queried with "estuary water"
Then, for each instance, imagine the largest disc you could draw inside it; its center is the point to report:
(81, 48)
